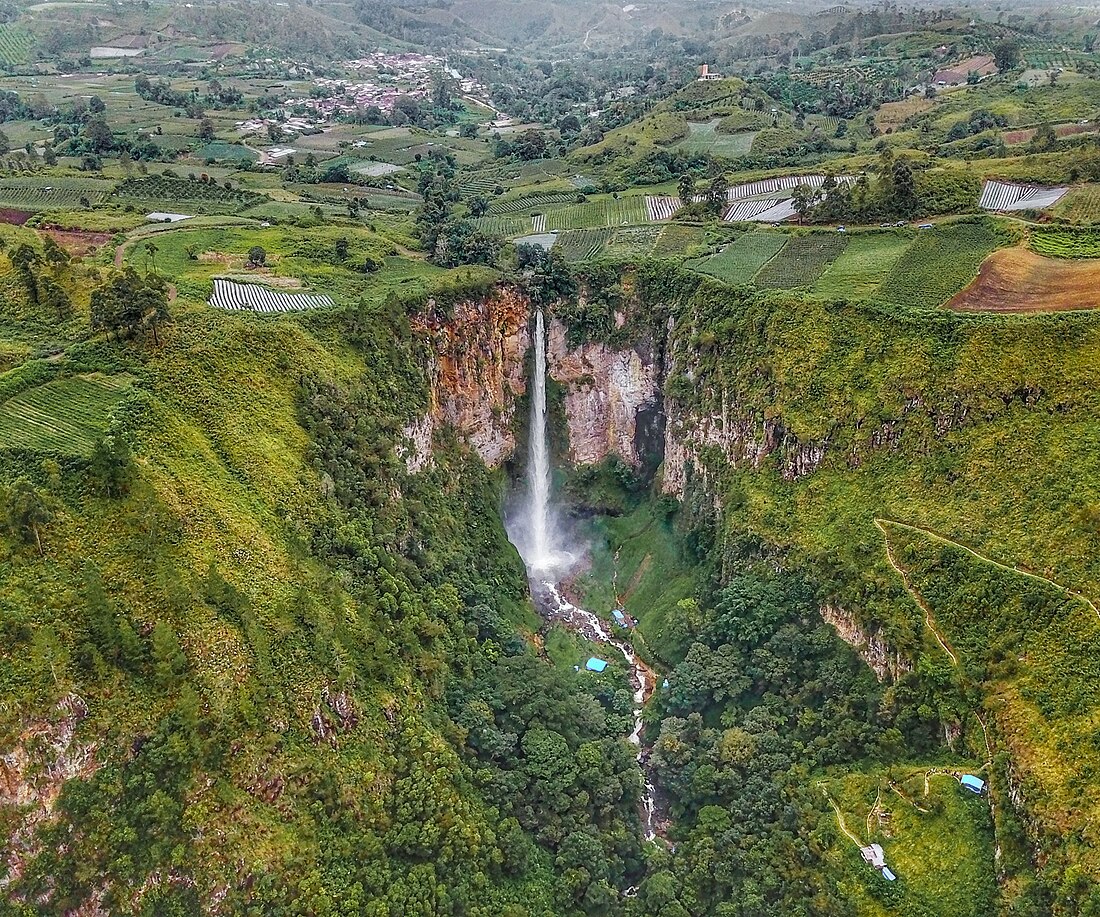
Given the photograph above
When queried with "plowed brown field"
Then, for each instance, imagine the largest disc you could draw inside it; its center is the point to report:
(1018, 280)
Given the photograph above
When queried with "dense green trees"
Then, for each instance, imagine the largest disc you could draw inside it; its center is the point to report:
(130, 303)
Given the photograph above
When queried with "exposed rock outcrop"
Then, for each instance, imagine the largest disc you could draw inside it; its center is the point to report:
(871, 646)
(606, 393)
(34, 771)
(477, 372)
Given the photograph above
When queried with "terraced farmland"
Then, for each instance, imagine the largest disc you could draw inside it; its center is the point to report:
(163, 192)
(676, 240)
(632, 241)
(15, 44)
(64, 417)
(507, 227)
(1080, 205)
(582, 244)
(254, 297)
(48, 193)
(938, 264)
(706, 138)
(803, 261)
(532, 202)
(1062, 243)
(863, 265)
(592, 214)
(739, 261)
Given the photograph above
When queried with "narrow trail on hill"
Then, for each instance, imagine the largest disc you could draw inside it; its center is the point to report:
(1010, 568)
(929, 619)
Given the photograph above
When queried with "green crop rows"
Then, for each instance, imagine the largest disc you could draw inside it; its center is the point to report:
(64, 417)
(532, 202)
(505, 226)
(677, 240)
(15, 44)
(163, 192)
(803, 261)
(1080, 205)
(582, 244)
(605, 212)
(1066, 243)
(938, 264)
(37, 197)
(739, 261)
(863, 265)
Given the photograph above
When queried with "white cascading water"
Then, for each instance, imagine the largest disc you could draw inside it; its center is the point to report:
(540, 527)
(546, 561)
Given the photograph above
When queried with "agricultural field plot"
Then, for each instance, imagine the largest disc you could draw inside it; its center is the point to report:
(373, 198)
(64, 417)
(863, 265)
(253, 297)
(43, 193)
(768, 186)
(162, 192)
(676, 240)
(739, 261)
(582, 244)
(1018, 280)
(507, 227)
(938, 264)
(1066, 243)
(999, 195)
(1080, 205)
(662, 206)
(803, 261)
(15, 44)
(632, 241)
(532, 202)
(759, 210)
(606, 212)
(705, 138)
(227, 152)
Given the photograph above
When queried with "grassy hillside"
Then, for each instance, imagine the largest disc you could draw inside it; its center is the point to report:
(285, 674)
(976, 430)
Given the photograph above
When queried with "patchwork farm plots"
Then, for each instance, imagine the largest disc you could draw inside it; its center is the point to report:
(907, 267)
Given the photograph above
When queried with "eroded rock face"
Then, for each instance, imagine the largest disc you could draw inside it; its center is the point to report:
(33, 773)
(606, 392)
(476, 374)
(872, 648)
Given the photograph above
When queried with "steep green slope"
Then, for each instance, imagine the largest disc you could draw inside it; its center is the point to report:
(285, 673)
(981, 431)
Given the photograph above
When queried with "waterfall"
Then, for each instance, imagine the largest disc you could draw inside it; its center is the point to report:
(535, 533)
(538, 462)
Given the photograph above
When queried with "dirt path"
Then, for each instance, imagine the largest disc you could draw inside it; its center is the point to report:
(929, 620)
(943, 539)
(840, 817)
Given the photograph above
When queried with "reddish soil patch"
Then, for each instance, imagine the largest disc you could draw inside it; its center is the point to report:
(77, 242)
(1062, 130)
(1018, 280)
(15, 217)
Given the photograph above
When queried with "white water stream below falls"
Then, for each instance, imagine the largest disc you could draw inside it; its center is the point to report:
(536, 537)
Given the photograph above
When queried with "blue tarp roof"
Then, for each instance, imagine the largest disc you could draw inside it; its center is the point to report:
(595, 665)
(887, 875)
(617, 614)
(972, 783)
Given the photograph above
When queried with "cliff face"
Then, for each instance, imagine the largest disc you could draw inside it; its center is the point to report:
(610, 396)
(477, 371)
(872, 648)
(476, 374)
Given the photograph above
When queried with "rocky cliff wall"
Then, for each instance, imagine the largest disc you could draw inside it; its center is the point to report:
(476, 373)
(608, 395)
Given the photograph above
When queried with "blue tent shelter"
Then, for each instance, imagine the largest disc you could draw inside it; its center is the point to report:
(972, 783)
(595, 665)
(619, 616)
(887, 875)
